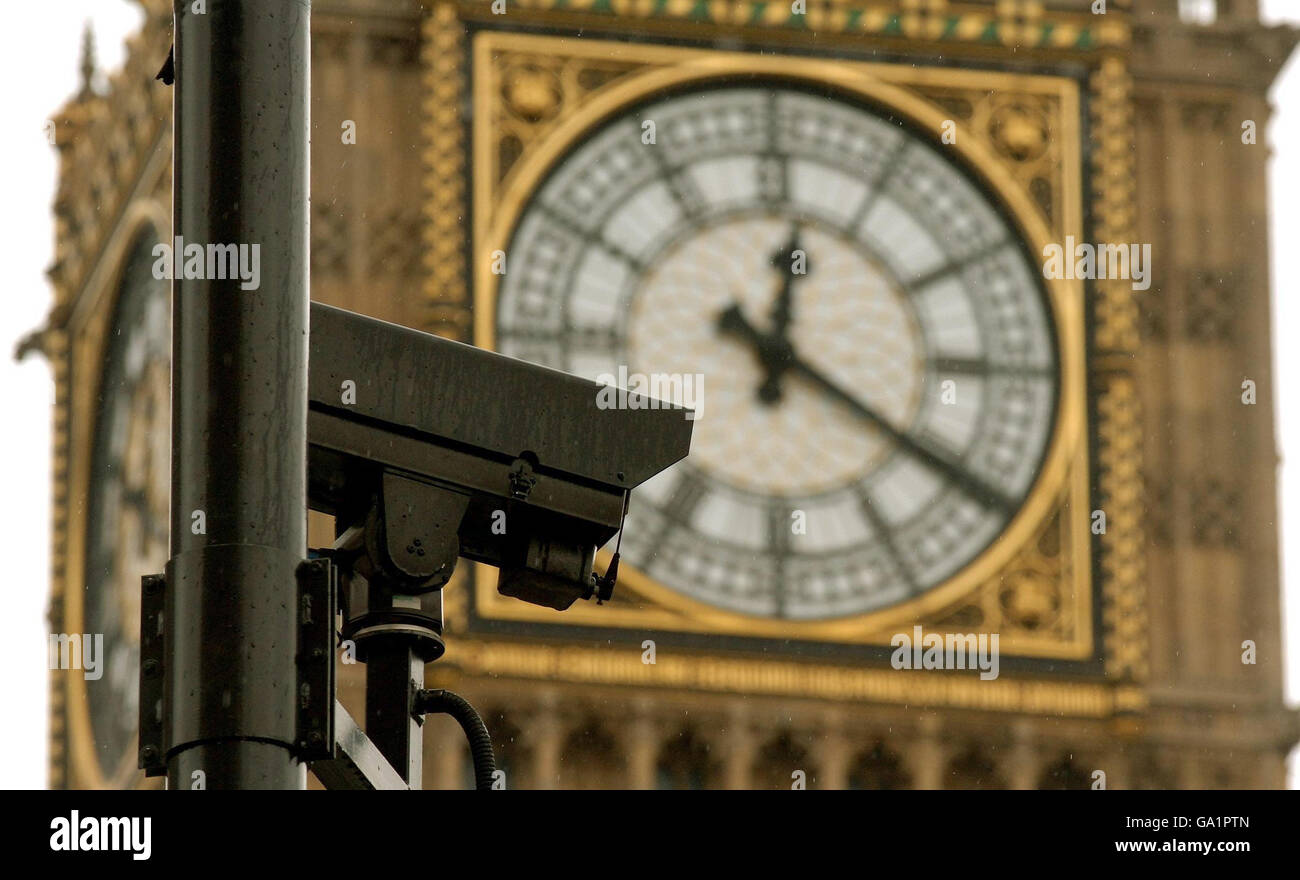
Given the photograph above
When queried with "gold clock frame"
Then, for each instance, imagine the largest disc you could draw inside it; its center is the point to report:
(1098, 408)
(89, 332)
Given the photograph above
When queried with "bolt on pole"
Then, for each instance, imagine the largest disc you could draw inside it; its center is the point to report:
(239, 391)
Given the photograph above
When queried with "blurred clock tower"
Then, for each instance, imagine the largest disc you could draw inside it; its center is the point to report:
(950, 440)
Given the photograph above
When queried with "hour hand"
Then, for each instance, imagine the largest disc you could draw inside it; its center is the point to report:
(732, 320)
(773, 351)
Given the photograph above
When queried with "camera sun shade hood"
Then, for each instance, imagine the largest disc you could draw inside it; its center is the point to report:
(383, 395)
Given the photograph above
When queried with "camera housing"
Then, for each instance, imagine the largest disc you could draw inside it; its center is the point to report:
(437, 450)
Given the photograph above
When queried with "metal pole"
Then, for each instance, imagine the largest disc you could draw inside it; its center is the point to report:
(239, 392)
(394, 671)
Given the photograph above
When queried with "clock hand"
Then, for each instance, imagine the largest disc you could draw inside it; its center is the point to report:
(972, 485)
(783, 259)
(782, 313)
(773, 348)
(733, 322)
(773, 351)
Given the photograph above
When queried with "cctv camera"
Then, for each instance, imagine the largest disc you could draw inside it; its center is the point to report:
(438, 450)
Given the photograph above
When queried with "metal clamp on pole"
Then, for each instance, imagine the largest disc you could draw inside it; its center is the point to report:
(314, 688)
(153, 714)
(317, 604)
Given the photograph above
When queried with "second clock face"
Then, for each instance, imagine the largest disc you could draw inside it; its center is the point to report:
(127, 502)
(878, 356)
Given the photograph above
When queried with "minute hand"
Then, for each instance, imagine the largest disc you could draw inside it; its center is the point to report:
(969, 483)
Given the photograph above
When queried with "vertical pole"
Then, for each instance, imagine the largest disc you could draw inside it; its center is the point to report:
(393, 672)
(239, 391)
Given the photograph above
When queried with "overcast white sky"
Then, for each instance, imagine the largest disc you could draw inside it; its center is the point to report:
(39, 64)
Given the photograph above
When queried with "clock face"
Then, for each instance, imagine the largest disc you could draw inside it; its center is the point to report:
(128, 502)
(878, 359)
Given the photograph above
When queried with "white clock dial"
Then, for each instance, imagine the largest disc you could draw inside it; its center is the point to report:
(880, 367)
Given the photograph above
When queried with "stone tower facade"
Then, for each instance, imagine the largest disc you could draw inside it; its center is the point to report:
(1122, 649)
